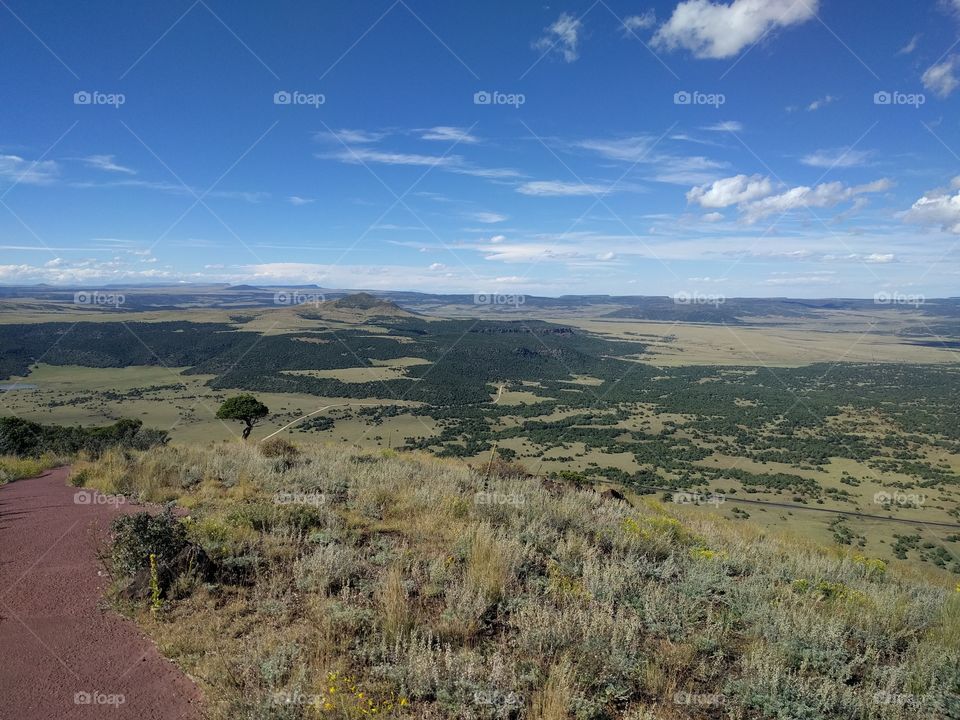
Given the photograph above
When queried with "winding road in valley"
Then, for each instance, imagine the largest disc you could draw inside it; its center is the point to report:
(66, 656)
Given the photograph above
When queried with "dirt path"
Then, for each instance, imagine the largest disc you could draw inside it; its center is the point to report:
(65, 656)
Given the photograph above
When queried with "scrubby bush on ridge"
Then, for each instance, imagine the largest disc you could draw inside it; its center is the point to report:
(442, 593)
(24, 438)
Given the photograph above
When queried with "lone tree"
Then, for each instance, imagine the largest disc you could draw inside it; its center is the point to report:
(243, 407)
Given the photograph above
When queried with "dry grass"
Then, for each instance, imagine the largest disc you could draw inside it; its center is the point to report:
(439, 602)
(17, 468)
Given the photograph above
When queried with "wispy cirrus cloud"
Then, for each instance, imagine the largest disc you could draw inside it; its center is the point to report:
(559, 188)
(643, 21)
(660, 166)
(352, 137)
(107, 164)
(297, 200)
(844, 157)
(445, 133)
(561, 37)
(449, 163)
(19, 170)
(941, 78)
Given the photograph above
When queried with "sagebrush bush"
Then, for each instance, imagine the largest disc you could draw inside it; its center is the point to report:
(442, 593)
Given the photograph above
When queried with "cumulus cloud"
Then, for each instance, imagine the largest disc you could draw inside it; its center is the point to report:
(563, 37)
(730, 191)
(941, 79)
(819, 196)
(937, 208)
(844, 157)
(719, 30)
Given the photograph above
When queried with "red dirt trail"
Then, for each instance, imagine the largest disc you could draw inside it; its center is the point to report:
(63, 655)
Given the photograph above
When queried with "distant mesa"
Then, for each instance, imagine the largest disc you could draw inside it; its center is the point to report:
(364, 301)
(368, 305)
(243, 288)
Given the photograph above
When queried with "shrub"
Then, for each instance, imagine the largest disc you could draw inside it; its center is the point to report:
(279, 448)
(136, 537)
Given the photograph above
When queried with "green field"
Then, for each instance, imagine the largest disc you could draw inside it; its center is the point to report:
(817, 417)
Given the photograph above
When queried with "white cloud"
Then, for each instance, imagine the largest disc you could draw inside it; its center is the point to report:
(488, 218)
(726, 126)
(15, 168)
(497, 239)
(630, 149)
(449, 134)
(450, 163)
(297, 200)
(718, 30)
(730, 191)
(837, 158)
(941, 79)
(912, 45)
(563, 36)
(825, 277)
(639, 22)
(606, 256)
(712, 217)
(820, 196)
(106, 163)
(437, 266)
(937, 208)
(557, 188)
(351, 137)
(667, 168)
(821, 102)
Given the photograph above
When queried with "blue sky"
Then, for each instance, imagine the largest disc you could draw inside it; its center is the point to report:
(805, 148)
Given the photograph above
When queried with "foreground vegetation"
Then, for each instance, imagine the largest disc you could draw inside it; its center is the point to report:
(332, 583)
